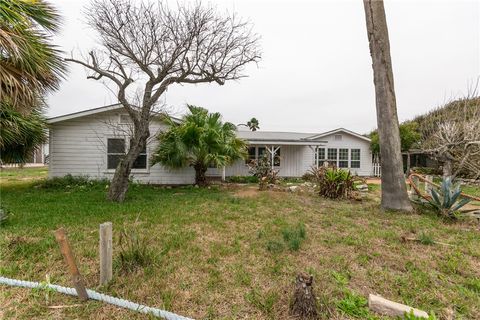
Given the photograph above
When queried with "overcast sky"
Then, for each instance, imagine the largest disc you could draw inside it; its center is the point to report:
(315, 74)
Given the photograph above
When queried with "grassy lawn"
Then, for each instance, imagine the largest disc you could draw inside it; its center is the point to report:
(233, 253)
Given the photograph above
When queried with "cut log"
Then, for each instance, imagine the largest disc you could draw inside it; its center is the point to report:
(304, 304)
(386, 307)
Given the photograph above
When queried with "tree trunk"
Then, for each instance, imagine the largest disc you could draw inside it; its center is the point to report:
(394, 190)
(200, 177)
(119, 185)
(447, 168)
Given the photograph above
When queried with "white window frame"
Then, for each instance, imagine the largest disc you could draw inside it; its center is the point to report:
(127, 147)
(359, 158)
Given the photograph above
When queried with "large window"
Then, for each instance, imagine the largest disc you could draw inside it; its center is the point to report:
(116, 151)
(343, 158)
(355, 158)
(332, 156)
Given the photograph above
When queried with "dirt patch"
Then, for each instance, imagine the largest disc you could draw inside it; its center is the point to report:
(248, 192)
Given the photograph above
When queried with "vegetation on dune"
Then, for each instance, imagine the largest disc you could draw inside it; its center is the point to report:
(217, 253)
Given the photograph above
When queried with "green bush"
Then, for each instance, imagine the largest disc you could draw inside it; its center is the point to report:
(70, 181)
(427, 170)
(332, 182)
(243, 179)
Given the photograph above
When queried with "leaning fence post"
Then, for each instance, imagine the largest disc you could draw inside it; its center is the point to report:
(105, 252)
(67, 253)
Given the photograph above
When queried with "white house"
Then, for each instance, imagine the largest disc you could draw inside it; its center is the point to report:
(91, 143)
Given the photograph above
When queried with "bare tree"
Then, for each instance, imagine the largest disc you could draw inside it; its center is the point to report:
(147, 47)
(451, 134)
(394, 190)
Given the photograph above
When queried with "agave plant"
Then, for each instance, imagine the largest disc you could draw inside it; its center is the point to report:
(447, 199)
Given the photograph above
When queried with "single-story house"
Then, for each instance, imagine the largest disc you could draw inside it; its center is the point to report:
(91, 142)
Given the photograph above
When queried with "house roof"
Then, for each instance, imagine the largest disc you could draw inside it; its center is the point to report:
(253, 137)
(79, 114)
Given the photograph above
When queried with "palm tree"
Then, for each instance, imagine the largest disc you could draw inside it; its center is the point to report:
(20, 134)
(252, 124)
(29, 64)
(200, 141)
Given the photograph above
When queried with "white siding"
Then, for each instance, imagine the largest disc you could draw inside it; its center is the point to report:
(78, 147)
(351, 142)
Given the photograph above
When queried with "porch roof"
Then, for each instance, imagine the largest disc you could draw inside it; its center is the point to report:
(280, 138)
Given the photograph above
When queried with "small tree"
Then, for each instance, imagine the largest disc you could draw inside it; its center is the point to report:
(200, 141)
(146, 47)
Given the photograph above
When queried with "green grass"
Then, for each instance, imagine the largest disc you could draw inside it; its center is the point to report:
(224, 253)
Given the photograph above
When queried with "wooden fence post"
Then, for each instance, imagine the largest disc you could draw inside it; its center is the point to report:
(105, 252)
(67, 253)
(428, 186)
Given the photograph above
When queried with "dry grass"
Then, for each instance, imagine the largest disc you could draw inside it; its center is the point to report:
(214, 256)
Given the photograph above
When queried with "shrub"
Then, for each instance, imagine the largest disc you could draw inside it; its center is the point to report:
(70, 181)
(243, 179)
(134, 249)
(446, 201)
(426, 170)
(332, 182)
(262, 169)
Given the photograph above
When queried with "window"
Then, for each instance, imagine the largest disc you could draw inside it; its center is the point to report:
(141, 161)
(276, 157)
(332, 156)
(337, 137)
(115, 152)
(319, 157)
(251, 155)
(355, 158)
(343, 158)
(261, 152)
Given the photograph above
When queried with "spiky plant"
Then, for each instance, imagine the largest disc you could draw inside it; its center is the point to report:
(447, 199)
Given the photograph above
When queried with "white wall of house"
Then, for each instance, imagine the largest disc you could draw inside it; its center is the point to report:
(78, 147)
(349, 141)
(297, 160)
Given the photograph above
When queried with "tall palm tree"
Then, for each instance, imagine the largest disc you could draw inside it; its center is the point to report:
(29, 64)
(202, 140)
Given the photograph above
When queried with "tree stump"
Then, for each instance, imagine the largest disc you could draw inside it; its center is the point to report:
(304, 304)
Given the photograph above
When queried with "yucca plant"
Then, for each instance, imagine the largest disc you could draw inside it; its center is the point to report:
(333, 183)
(446, 200)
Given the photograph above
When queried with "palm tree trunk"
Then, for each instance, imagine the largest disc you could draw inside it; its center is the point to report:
(120, 181)
(394, 190)
(200, 177)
